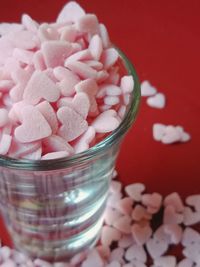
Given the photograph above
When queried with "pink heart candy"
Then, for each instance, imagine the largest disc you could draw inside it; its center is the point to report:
(82, 69)
(126, 241)
(113, 199)
(38, 61)
(29, 23)
(174, 231)
(190, 236)
(135, 191)
(127, 84)
(93, 259)
(79, 56)
(117, 255)
(141, 234)
(108, 235)
(5, 144)
(68, 33)
(81, 104)
(190, 217)
(174, 200)
(68, 80)
(84, 141)
(104, 36)
(147, 89)
(136, 252)
(115, 187)
(94, 64)
(156, 248)
(25, 39)
(20, 150)
(35, 155)
(46, 89)
(106, 122)
(194, 201)
(125, 205)
(109, 57)
(55, 143)
(139, 213)
(55, 52)
(23, 55)
(3, 117)
(96, 47)
(56, 155)
(70, 13)
(153, 200)
(123, 224)
(73, 124)
(171, 135)
(111, 215)
(157, 101)
(158, 131)
(34, 126)
(88, 24)
(49, 114)
(171, 216)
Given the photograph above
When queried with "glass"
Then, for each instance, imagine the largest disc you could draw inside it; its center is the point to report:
(54, 208)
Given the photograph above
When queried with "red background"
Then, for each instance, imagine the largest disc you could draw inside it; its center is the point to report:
(162, 39)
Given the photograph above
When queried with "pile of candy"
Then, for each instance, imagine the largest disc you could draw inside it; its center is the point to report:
(61, 87)
(131, 236)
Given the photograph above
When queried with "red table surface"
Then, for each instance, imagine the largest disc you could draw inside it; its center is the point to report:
(162, 39)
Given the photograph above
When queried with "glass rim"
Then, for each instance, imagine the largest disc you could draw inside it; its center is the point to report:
(69, 161)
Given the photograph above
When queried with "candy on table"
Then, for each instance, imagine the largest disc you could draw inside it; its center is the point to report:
(135, 241)
(50, 82)
(169, 134)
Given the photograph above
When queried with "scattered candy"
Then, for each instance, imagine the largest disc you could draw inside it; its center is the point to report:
(169, 134)
(157, 101)
(127, 239)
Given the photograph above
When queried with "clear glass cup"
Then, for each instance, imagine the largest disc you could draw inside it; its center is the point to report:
(54, 208)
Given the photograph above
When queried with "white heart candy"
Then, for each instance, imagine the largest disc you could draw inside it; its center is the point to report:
(135, 190)
(190, 217)
(147, 89)
(156, 248)
(157, 101)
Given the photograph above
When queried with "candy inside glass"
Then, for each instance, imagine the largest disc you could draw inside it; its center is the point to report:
(54, 208)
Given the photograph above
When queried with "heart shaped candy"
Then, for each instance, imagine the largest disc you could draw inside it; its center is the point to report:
(73, 124)
(141, 234)
(96, 47)
(70, 13)
(171, 216)
(157, 101)
(49, 114)
(147, 89)
(153, 200)
(135, 191)
(106, 122)
(123, 224)
(136, 252)
(194, 201)
(174, 200)
(190, 217)
(46, 89)
(34, 126)
(156, 248)
(84, 141)
(108, 235)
